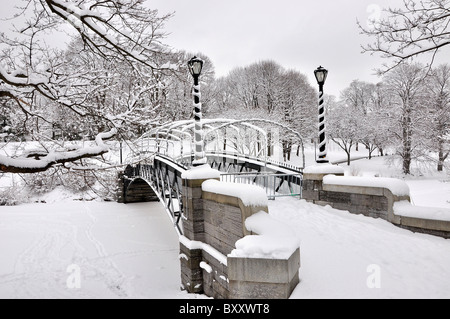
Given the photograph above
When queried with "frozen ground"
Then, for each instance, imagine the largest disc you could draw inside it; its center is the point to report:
(119, 251)
(131, 251)
(341, 253)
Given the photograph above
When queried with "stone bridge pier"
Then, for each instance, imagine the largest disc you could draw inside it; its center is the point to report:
(134, 189)
(219, 255)
(214, 221)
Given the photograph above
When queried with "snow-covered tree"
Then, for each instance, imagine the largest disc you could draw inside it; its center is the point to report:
(270, 92)
(36, 80)
(360, 96)
(439, 107)
(176, 100)
(409, 111)
(344, 127)
(417, 28)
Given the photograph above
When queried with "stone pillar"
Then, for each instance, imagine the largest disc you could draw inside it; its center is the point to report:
(191, 273)
(194, 221)
(259, 278)
(193, 226)
(313, 180)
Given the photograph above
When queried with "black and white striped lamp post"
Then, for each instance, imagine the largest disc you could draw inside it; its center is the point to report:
(195, 68)
(321, 75)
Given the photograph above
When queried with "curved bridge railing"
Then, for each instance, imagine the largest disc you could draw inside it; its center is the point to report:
(164, 176)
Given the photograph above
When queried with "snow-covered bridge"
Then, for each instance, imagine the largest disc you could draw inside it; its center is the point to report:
(209, 208)
(239, 149)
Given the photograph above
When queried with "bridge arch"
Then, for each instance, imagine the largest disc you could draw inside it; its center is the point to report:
(139, 190)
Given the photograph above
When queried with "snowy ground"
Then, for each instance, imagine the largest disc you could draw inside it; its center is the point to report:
(341, 252)
(119, 251)
(131, 251)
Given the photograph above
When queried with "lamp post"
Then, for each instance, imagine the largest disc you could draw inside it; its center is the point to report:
(195, 68)
(321, 75)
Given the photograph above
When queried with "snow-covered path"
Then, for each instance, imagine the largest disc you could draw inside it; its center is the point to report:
(119, 251)
(353, 256)
(131, 251)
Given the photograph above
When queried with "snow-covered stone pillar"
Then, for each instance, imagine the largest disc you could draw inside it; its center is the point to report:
(231, 247)
(191, 243)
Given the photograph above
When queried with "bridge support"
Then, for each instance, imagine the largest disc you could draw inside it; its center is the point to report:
(214, 220)
(134, 190)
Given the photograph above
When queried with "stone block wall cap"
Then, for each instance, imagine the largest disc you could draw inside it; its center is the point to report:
(324, 169)
(201, 172)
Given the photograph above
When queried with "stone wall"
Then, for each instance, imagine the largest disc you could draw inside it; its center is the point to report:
(213, 223)
(372, 201)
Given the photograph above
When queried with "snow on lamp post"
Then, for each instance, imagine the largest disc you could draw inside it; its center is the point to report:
(195, 68)
(321, 75)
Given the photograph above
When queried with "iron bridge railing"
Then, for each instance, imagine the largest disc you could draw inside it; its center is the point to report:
(275, 184)
(163, 174)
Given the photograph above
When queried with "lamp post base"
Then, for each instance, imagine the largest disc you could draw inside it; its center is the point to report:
(322, 161)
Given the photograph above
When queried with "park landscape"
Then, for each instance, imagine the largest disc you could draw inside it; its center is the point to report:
(114, 95)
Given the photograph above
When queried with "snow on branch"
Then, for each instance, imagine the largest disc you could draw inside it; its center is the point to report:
(419, 27)
(126, 28)
(34, 162)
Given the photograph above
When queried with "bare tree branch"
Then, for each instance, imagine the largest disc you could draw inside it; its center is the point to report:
(418, 28)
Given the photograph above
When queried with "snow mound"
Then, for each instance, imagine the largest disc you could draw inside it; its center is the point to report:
(276, 240)
(396, 186)
(404, 208)
(201, 172)
(250, 195)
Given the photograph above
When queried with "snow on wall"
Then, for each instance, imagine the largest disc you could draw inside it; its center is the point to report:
(396, 186)
(201, 172)
(205, 266)
(323, 169)
(276, 240)
(180, 256)
(193, 244)
(250, 195)
(406, 209)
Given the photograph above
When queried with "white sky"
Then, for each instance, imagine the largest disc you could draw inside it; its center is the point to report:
(298, 34)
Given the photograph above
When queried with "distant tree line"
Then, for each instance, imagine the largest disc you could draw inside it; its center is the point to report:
(408, 111)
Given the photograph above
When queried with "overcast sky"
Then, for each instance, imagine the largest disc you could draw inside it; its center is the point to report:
(298, 34)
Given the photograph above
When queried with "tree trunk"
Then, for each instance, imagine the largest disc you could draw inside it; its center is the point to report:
(440, 165)
(406, 127)
(407, 164)
(442, 155)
